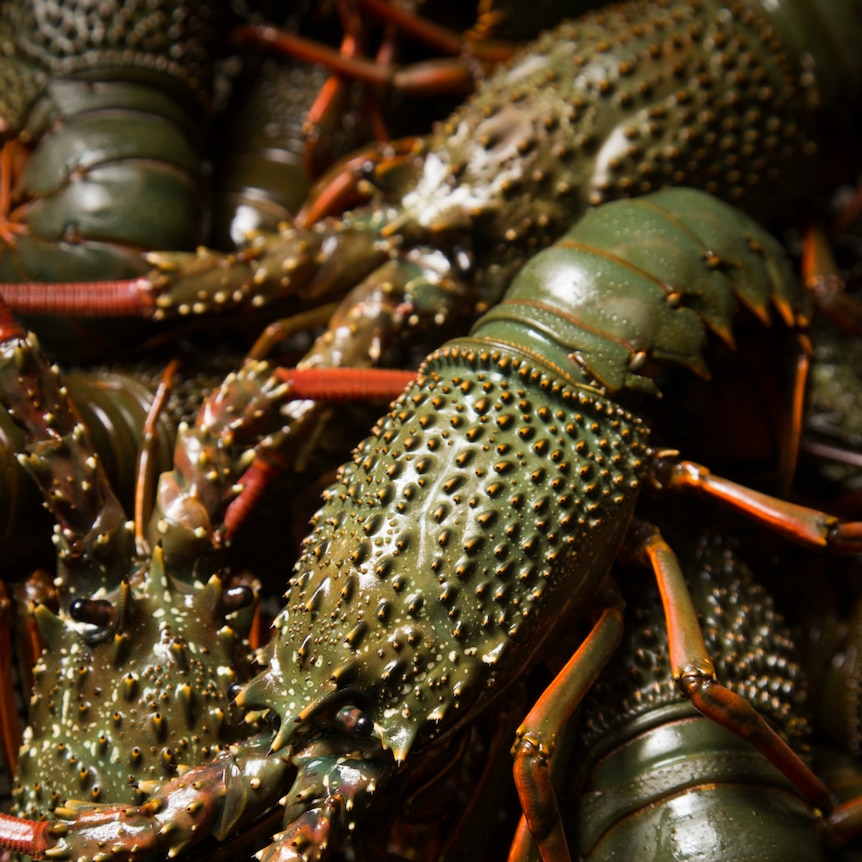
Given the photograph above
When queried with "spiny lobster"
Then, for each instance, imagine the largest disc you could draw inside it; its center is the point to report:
(621, 102)
(486, 239)
(647, 771)
(475, 524)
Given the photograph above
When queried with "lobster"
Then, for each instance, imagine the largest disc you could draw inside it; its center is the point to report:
(565, 124)
(118, 112)
(67, 81)
(645, 770)
(479, 519)
(521, 249)
(596, 109)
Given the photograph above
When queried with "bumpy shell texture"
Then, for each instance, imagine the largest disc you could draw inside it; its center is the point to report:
(483, 511)
(620, 102)
(150, 696)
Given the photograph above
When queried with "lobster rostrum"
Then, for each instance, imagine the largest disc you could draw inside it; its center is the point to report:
(476, 523)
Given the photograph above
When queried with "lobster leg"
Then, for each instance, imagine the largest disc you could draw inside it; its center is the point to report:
(429, 77)
(823, 281)
(325, 112)
(93, 537)
(844, 823)
(439, 37)
(536, 738)
(317, 384)
(346, 183)
(146, 457)
(800, 524)
(695, 675)
(12, 157)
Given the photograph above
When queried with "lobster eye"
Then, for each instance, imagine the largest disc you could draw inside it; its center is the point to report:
(93, 612)
(355, 721)
(234, 690)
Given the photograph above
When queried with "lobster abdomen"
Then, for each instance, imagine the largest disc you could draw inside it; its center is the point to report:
(107, 113)
(638, 284)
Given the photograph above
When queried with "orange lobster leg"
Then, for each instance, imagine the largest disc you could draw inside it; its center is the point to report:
(438, 37)
(344, 384)
(145, 485)
(346, 183)
(12, 158)
(800, 524)
(695, 675)
(537, 737)
(326, 111)
(844, 823)
(432, 76)
(823, 281)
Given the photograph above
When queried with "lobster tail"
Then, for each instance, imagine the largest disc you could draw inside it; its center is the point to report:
(108, 154)
(122, 38)
(636, 285)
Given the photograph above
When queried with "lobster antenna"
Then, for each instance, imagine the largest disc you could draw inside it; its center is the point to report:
(146, 468)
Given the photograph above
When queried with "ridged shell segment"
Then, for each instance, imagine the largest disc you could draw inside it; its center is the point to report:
(484, 511)
(647, 771)
(636, 285)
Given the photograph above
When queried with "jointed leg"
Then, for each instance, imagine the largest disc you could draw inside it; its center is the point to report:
(694, 672)
(537, 737)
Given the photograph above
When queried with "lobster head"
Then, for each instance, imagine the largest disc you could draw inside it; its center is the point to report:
(445, 558)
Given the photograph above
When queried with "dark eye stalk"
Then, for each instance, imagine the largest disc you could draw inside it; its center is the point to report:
(355, 721)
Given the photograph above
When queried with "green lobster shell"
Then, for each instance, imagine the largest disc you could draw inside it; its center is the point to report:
(110, 100)
(484, 512)
(475, 525)
(493, 497)
(140, 657)
(132, 704)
